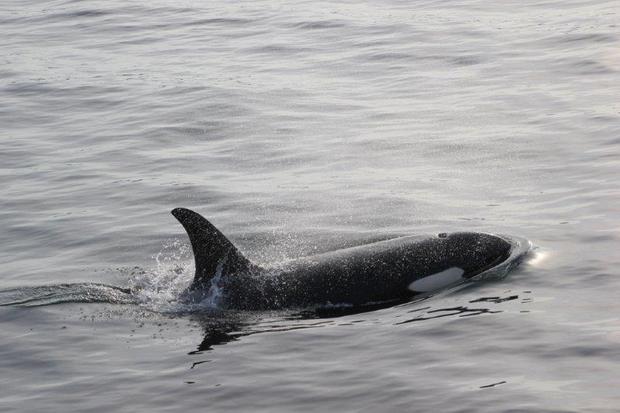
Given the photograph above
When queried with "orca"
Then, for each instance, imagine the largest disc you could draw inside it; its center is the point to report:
(387, 271)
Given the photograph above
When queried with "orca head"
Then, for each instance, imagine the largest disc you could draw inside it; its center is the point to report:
(475, 252)
(460, 256)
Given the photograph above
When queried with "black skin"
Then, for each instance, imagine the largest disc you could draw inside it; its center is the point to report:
(373, 273)
(364, 275)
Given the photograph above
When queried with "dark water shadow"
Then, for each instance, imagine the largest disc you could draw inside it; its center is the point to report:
(225, 327)
(460, 311)
(219, 330)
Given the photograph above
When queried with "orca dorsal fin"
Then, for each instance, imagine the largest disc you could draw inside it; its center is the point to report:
(213, 252)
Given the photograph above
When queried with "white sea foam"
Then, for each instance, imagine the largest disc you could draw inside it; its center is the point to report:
(162, 288)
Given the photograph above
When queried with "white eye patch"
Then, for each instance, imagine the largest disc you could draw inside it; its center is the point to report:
(438, 280)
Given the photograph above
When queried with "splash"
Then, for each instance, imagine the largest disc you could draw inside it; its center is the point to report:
(164, 289)
(215, 293)
(539, 257)
(161, 289)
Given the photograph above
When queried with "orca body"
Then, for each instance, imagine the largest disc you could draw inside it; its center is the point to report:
(381, 272)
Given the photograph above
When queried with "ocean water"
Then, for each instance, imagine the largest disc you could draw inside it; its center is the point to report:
(300, 127)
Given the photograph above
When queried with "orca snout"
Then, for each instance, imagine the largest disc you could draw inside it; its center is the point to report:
(477, 252)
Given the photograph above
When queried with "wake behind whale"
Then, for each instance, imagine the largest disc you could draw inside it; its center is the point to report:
(356, 279)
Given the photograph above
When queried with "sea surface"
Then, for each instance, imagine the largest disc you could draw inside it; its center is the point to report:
(299, 127)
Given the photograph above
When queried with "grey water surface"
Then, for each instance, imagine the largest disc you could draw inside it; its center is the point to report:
(299, 127)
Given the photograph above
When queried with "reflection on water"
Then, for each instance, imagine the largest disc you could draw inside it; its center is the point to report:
(221, 327)
(225, 328)
(460, 311)
(66, 293)
(300, 127)
(495, 299)
(219, 330)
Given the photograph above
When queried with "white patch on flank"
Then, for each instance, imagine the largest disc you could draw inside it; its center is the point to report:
(437, 281)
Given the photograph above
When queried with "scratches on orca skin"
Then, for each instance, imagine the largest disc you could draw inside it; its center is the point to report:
(495, 300)
(487, 386)
(460, 311)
